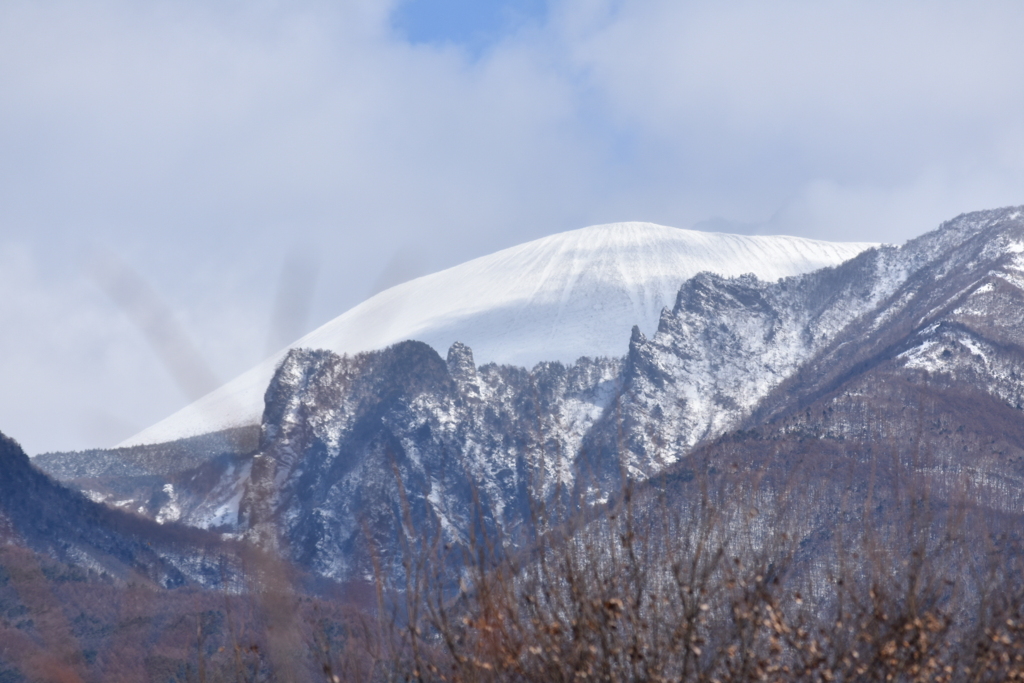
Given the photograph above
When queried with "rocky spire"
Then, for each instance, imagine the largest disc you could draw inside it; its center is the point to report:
(461, 366)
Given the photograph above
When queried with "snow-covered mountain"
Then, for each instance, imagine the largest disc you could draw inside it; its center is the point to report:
(346, 442)
(574, 294)
(900, 351)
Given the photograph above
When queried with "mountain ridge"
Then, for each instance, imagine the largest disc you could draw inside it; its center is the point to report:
(39, 513)
(350, 442)
(726, 347)
(558, 298)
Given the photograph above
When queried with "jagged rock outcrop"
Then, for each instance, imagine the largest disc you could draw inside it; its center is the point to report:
(351, 445)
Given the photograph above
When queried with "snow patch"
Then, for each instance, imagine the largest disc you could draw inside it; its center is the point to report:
(974, 349)
(96, 496)
(171, 511)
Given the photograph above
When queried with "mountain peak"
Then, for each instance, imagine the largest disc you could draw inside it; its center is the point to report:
(573, 294)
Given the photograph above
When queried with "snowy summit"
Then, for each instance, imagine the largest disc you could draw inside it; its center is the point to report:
(573, 294)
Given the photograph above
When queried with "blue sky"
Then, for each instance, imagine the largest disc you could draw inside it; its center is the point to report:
(471, 24)
(206, 145)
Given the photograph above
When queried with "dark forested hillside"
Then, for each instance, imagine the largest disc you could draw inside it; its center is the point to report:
(38, 513)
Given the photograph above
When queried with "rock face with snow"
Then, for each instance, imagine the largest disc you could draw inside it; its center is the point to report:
(922, 395)
(350, 445)
(935, 370)
(558, 298)
(727, 343)
(730, 346)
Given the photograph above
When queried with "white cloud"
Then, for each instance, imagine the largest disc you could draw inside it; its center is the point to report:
(204, 142)
(72, 371)
(759, 99)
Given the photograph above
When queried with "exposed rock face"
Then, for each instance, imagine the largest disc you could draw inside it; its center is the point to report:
(460, 364)
(350, 445)
(726, 344)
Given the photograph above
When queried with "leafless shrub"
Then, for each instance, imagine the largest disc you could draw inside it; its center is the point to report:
(733, 581)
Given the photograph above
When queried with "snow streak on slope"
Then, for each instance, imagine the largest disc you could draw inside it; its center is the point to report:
(573, 294)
